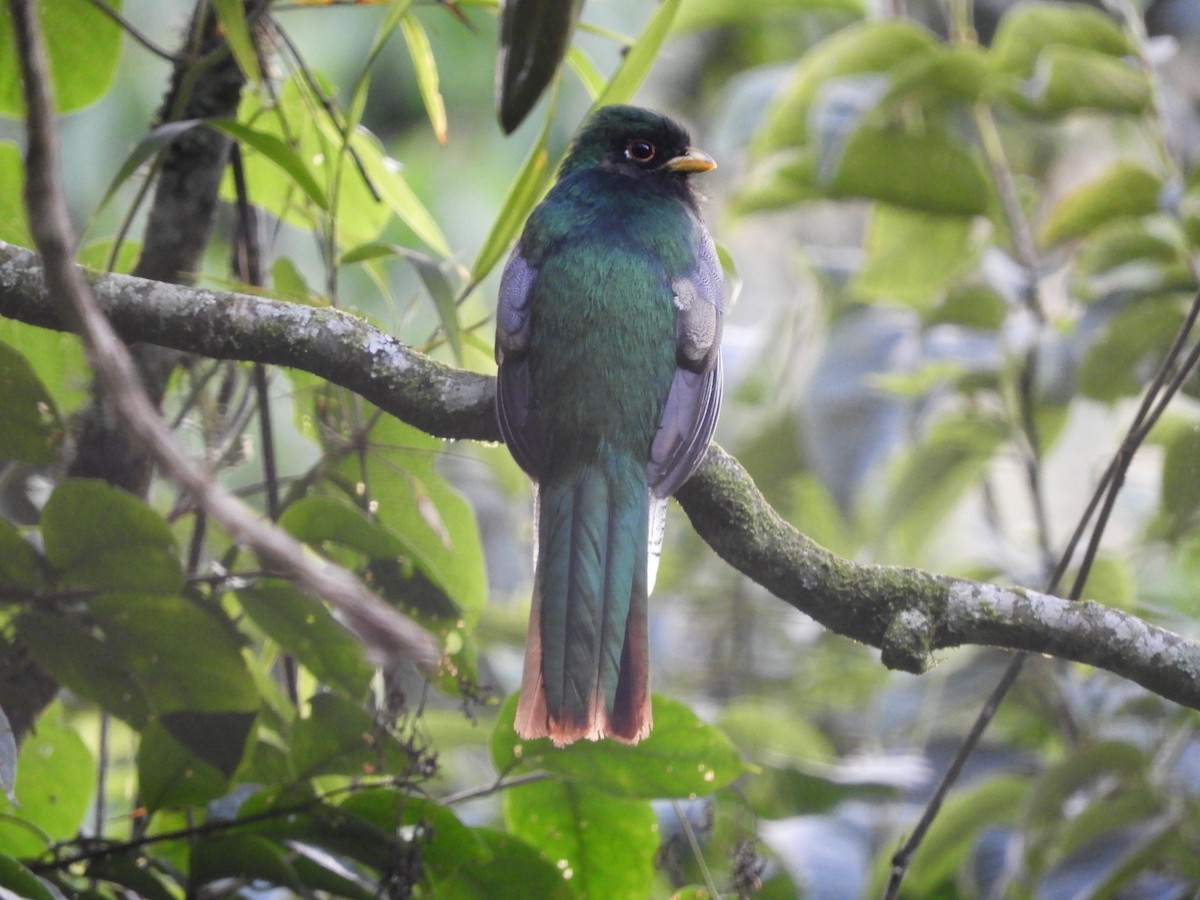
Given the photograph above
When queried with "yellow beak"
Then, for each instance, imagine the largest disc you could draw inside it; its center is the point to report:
(691, 161)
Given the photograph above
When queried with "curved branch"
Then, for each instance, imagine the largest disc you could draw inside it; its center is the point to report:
(908, 613)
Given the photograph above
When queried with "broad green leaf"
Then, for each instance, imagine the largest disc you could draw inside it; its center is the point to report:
(1132, 256)
(864, 47)
(893, 272)
(416, 504)
(33, 431)
(771, 728)
(781, 180)
(942, 73)
(1068, 79)
(1125, 189)
(929, 171)
(682, 757)
(534, 36)
(640, 58)
(232, 16)
(66, 646)
(317, 520)
(1110, 581)
(697, 15)
(245, 857)
(519, 201)
(56, 779)
(185, 658)
(514, 871)
(56, 357)
(99, 537)
(169, 775)
(1126, 352)
(935, 473)
(274, 149)
(21, 567)
(449, 844)
(1179, 494)
(584, 831)
(83, 46)
(421, 54)
(98, 255)
(965, 814)
(972, 305)
(340, 737)
(22, 883)
(1028, 29)
(304, 628)
(14, 226)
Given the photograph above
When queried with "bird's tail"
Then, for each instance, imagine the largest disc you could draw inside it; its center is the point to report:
(587, 660)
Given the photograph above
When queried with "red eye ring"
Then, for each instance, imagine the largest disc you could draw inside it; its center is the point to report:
(640, 151)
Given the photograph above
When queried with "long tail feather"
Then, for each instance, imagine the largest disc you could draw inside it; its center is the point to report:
(587, 668)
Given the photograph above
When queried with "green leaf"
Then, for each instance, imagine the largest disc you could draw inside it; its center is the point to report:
(641, 57)
(1127, 351)
(1028, 29)
(387, 178)
(894, 272)
(317, 520)
(33, 431)
(275, 150)
(150, 144)
(682, 757)
(304, 628)
(170, 775)
(22, 883)
(14, 226)
(1111, 581)
(56, 779)
(449, 845)
(583, 831)
(929, 171)
(698, 15)
(67, 647)
(425, 66)
(1179, 493)
(339, 737)
(232, 16)
(934, 475)
(1068, 79)
(590, 77)
(965, 814)
(56, 357)
(21, 568)
(526, 188)
(865, 47)
(185, 658)
(1125, 189)
(939, 74)
(424, 512)
(534, 36)
(99, 537)
(83, 46)
(515, 871)
(244, 857)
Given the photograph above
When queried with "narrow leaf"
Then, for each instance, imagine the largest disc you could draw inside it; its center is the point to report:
(590, 77)
(534, 36)
(232, 16)
(425, 66)
(640, 58)
(278, 152)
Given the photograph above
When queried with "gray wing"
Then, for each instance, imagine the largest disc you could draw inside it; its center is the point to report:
(690, 414)
(517, 414)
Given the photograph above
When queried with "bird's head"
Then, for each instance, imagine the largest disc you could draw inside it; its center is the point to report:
(635, 142)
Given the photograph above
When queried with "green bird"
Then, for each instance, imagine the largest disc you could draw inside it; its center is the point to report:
(607, 339)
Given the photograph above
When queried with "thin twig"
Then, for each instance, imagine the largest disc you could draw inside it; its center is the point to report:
(133, 31)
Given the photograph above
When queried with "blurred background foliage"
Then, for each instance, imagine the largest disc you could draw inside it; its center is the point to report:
(964, 237)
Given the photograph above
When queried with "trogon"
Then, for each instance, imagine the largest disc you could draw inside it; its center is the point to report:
(607, 339)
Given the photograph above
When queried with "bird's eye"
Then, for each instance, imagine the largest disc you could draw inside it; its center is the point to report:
(640, 151)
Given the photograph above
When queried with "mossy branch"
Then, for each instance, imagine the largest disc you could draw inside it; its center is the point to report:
(908, 613)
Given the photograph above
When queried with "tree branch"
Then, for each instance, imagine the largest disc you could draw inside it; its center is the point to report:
(908, 613)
